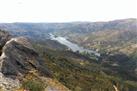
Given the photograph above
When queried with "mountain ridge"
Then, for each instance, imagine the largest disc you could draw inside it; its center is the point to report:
(114, 40)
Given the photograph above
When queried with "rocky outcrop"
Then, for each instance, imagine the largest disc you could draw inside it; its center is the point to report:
(4, 37)
(7, 84)
(18, 58)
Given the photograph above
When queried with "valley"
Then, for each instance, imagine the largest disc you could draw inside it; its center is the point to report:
(77, 56)
(72, 46)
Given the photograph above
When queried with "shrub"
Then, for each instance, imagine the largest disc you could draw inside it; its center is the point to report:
(33, 85)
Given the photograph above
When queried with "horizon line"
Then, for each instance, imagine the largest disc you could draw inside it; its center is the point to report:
(79, 21)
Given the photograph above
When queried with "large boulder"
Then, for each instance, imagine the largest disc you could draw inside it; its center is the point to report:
(17, 59)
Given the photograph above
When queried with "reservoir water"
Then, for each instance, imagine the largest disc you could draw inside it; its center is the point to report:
(73, 46)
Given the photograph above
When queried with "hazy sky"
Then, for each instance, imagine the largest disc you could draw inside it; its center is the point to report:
(66, 10)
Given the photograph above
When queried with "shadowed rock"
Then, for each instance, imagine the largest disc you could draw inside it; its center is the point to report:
(18, 57)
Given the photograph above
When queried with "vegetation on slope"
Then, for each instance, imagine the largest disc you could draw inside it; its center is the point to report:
(80, 74)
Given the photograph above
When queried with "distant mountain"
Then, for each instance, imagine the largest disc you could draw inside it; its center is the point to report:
(110, 36)
(40, 30)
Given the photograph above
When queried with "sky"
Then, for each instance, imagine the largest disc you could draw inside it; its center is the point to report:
(66, 10)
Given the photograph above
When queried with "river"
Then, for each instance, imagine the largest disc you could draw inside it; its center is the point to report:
(73, 46)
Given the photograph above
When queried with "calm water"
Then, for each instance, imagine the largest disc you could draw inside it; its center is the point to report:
(74, 47)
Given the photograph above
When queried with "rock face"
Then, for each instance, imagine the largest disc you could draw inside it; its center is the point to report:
(7, 84)
(18, 58)
(4, 37)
